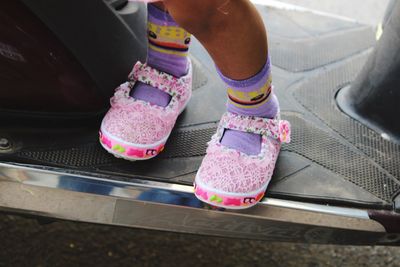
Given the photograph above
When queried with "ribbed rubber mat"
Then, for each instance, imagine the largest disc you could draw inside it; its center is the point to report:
(318, 96)
(312, 53)
(89, 155)
(189, 143)
(322, 148)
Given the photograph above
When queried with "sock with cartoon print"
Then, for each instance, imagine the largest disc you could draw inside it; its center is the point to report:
(168, 46)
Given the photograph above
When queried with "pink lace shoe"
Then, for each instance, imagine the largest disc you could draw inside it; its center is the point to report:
(231, 179)
(137, 130)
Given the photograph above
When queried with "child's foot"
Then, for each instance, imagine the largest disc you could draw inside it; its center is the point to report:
(232, 179)
(242, 155)
(145, 109)
(134, 129)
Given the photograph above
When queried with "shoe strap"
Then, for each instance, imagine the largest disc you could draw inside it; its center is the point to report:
(176, 87)
(274, 128)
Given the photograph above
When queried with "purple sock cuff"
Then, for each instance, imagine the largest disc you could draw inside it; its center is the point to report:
(159, 16)
(175, 65)
(252, 80)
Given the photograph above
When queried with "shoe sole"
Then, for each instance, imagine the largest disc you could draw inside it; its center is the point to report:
(227, 200)
(129, 151)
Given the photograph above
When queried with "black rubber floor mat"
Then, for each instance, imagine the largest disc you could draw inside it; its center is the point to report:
(183, 143)
(308, 140)
(318, 96)
(294, 56)
(322, 148)
(301, 41)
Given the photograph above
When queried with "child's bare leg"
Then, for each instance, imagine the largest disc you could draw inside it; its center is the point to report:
(231, 30)
(234, 34)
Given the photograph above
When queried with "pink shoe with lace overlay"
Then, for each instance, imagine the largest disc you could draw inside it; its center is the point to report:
(137, 130)
(230, 179)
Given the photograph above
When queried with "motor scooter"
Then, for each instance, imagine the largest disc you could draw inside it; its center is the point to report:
(337, 182)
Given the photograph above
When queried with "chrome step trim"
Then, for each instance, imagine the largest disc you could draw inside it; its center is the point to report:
(172, 207)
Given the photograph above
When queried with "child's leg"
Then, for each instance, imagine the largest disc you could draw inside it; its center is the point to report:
(241, 155)
(231, 30)
(234, 34)
(145, 108)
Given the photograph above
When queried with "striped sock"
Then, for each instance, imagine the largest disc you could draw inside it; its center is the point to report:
(250, 97)
(168, 46)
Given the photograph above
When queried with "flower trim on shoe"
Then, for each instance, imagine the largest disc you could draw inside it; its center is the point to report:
(268, 128)
(275, 128)
(175, 87)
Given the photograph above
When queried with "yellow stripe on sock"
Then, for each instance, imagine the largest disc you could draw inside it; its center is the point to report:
(250, 106)
(248, 96)
(172, 32)
(169, 52)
